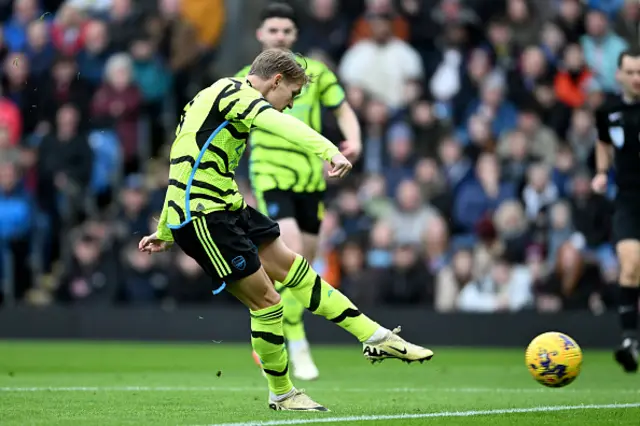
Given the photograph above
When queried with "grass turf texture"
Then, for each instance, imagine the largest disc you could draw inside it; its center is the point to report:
(160, 384)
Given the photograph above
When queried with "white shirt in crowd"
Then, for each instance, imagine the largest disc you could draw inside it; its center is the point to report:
(382, 70)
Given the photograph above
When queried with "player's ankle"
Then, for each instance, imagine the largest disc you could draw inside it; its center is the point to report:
(274, 397)
(378, 336)
(298, 345)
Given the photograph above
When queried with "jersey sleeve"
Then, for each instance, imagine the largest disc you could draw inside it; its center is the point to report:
(244, 106)
(294, 130)
(331, 92)
(602, 125)
(163, 232)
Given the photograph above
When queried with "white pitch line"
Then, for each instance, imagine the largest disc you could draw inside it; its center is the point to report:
(474, 413)
(319, 389)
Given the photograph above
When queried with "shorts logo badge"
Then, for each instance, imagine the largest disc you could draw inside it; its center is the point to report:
(273, 209)
(239, 263)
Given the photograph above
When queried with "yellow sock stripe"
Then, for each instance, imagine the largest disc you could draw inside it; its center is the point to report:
(225, 266)
(197, 225)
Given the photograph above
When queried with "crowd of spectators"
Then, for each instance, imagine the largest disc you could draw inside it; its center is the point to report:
(472, 193)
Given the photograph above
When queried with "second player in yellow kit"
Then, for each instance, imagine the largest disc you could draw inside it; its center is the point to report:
(289, 183)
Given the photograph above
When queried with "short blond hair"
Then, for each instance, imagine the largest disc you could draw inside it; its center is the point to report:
(279, 61)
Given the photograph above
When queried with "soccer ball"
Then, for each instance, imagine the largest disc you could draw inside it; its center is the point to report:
(554, 359)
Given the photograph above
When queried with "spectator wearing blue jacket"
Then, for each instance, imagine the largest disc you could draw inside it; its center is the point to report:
(493, 107)
(15, 30)
(480, 196)
(15, 229)
(602, 47)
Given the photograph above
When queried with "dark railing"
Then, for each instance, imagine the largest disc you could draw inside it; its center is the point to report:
(207, 323)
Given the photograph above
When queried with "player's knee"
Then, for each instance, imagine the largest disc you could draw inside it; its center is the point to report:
(264, 299)
(277, 258)
(290, 234)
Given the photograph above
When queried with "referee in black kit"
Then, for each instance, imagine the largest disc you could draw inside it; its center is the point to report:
(618, 124)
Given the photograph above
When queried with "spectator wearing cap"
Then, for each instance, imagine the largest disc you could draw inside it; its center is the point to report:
(602, 47)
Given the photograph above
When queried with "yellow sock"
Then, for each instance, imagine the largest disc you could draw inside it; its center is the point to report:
(322, 299)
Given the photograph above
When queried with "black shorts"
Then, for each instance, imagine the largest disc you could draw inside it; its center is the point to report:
(225, 244)
(626, 218)
(307, 208)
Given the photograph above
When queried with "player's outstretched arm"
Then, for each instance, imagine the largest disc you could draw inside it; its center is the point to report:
(296, 131)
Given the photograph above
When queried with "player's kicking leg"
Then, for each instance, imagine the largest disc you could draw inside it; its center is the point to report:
(629, 256)
(294, 272)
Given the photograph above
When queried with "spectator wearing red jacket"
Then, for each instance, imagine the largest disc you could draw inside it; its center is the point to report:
(570, 82)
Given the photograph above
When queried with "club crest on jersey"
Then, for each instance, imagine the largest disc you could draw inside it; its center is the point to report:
(239, 263)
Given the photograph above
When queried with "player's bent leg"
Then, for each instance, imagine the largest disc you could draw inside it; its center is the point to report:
(629, 257)
(267, 338)
(322, 299)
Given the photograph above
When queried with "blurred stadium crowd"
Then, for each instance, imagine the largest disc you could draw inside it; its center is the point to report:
(472, 194)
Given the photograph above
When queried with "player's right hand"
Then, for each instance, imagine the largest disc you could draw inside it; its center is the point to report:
(152, 244)
(599, 183)
(340, 166)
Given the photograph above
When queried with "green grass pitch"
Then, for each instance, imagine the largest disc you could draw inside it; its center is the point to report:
(112, 383)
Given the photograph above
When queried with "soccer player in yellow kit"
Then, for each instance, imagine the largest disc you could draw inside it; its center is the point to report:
(288, 182)
(206, 216)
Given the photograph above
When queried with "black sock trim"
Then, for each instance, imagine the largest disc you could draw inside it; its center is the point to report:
(276, 373)
(316, 294)
(347, 313)
(270, 315)
(299, 275)
(274, 339)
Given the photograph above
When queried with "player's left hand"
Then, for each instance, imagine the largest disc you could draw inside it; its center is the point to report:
(351, 149)
(341, 166)
(152, 244)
